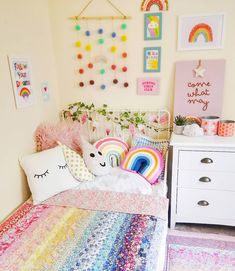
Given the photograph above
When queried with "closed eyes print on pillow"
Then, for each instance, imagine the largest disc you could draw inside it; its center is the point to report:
(41, 175)
(47, 172)
(63, 167)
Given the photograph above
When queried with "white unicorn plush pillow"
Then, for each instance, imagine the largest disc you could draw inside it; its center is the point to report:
(47, 174)
(95, 161)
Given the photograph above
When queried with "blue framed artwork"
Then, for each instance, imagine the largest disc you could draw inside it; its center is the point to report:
(153, 26)
(152, 59)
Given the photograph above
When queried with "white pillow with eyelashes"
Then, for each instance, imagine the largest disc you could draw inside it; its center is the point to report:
(47, 174)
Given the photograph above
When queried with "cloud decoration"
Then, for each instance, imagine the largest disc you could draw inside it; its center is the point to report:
(193, 130)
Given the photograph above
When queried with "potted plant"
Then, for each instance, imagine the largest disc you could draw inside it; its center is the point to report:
(179, 123)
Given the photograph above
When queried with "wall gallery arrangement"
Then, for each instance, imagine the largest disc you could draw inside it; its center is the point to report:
(151, 55)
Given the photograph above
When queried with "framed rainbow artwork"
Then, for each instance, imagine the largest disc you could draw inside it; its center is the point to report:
(20, 69)
(201, 32)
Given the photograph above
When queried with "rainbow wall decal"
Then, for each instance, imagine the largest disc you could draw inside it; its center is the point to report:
(113, 148)
(201, 29)
(146, 161)
(147, 4)
(25, 92)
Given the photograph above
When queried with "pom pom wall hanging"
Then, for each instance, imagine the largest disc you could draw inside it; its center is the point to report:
(101, 50)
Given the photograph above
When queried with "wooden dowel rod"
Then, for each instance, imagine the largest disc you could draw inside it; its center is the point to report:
(100, 18)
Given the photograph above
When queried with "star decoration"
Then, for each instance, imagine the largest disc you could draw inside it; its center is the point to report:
(199, 71)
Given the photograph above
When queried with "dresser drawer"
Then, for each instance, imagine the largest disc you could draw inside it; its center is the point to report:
(204, 160)
(192, 203)
(206, 180)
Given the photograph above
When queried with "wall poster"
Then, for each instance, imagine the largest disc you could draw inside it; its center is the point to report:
(20, 69)
(199, 88)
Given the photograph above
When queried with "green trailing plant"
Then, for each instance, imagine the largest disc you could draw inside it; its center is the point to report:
(124, 119)
(180, 120)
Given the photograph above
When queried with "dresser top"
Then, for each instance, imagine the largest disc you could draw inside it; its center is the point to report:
(201, 141)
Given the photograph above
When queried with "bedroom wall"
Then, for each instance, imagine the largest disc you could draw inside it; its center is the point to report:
(64, 37)
(25, 31)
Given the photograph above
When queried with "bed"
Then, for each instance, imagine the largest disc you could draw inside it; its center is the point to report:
(90, 229)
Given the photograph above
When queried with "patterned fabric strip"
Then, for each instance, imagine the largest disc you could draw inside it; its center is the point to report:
(44, 254)
(15, 217)
(131, 203)
(16, 226)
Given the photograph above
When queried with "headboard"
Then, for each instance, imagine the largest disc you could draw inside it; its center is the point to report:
(102, 121)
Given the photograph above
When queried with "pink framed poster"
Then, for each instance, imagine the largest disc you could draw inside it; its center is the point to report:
(199, 87)
(148, 86)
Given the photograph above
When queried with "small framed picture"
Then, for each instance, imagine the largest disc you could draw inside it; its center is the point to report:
(201, 32)
(152, 59)
(148, 86)
(20, 68)
(153, 26)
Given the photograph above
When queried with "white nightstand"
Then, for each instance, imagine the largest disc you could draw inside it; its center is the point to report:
(203, 180)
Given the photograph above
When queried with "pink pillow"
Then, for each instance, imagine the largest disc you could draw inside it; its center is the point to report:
(67, 132)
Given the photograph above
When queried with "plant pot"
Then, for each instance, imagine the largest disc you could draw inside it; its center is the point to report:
(178, 129)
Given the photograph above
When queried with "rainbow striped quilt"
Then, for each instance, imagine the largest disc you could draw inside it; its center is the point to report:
(62, 238)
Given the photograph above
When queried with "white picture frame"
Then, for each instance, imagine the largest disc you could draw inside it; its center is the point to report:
(201, 32)
(20, 69)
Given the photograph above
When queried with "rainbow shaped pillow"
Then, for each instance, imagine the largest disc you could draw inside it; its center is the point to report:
(146, 161)
(113, 148)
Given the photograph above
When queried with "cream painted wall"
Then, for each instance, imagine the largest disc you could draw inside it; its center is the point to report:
(25, 31)
(64, 37)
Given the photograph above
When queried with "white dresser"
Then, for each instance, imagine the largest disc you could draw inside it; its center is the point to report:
(203, 180)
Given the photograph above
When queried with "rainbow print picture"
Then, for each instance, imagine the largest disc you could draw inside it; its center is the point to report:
(113, 148)
(201, 32)
(21, 81)
(146, 161)
(153, 26)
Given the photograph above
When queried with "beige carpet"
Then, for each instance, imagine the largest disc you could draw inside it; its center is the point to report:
(215, 229)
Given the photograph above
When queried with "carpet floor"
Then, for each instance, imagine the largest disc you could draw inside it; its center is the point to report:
(193, 251)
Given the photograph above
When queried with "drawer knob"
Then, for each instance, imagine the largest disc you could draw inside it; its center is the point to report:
(203, 203)
(205, 180)
(207, 161)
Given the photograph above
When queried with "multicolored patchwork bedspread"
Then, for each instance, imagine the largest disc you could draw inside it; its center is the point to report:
(48, 237)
